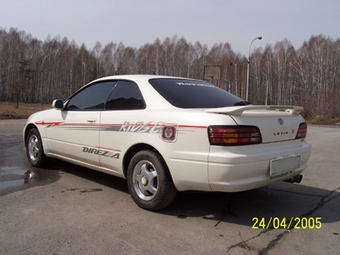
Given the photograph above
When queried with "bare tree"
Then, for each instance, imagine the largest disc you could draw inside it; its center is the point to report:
(38, 71)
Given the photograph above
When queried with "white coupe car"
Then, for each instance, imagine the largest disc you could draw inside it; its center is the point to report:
(168, 134)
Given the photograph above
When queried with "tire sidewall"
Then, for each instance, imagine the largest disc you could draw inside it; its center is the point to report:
(159, 201)
(41, 157)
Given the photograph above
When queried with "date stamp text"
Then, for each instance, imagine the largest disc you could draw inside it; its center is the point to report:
(287, 223)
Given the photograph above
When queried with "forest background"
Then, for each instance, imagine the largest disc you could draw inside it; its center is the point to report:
(35, 71)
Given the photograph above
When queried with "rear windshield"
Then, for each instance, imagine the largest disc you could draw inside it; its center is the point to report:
(193, 93)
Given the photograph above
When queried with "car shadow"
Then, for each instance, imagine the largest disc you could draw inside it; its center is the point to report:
(280, 200)
(95, 176)
(288, 201)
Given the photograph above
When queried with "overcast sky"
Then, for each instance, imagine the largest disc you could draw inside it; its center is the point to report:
(137, 22)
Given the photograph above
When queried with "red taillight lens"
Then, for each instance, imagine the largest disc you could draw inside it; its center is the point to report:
(302, 132)
(234, 135)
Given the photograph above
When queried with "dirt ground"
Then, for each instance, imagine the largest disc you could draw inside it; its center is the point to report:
(9, 110)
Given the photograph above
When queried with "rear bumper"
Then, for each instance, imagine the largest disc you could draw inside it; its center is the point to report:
(233, 169)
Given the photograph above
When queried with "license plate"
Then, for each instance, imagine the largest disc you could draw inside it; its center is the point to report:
(282, 165)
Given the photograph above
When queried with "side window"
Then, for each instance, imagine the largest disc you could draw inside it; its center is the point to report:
(125, 96)
(91, 98)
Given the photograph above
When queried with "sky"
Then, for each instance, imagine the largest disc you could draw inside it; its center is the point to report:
(138, 22)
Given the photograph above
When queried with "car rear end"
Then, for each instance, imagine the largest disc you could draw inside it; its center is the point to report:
(242, 146)
(266, 145)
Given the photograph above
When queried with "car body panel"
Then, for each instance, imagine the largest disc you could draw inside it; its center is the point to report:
(247, 167)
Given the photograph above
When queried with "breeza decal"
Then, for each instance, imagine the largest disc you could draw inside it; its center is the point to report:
(101, 152)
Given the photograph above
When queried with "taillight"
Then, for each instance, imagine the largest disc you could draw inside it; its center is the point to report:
(234, 135)
(302, 132)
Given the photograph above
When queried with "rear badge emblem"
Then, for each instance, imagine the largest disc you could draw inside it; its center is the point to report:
(280, 121)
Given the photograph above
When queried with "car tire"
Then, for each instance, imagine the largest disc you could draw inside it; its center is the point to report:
(149, 181)
(34, 149)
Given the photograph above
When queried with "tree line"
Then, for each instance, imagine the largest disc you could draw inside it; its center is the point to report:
(35, 71)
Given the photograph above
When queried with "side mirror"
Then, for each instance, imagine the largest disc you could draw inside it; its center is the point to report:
(58, 104)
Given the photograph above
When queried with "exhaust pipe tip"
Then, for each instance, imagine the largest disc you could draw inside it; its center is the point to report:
(295, 179)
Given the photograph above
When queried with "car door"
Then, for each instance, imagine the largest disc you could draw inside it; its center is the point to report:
(125, 103)
(76, 132)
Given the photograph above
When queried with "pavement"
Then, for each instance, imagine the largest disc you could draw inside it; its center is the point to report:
(67, 209)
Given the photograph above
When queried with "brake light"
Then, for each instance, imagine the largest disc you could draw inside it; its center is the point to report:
(302, 132)
(234, 135)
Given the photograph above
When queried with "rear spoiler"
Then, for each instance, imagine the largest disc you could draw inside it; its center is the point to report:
(238, 110)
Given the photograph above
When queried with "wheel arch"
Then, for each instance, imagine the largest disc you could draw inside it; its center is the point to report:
(28, 129)
(135, 149)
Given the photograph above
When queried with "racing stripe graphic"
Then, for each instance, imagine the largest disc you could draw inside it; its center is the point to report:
(49, 123)
(69, 125)
(127, 126)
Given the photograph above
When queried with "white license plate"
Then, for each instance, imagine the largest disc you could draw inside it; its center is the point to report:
(282, 165)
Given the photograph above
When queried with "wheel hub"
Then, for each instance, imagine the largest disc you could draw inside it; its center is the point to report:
(144, 180)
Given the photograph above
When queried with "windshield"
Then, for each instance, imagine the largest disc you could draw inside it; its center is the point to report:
(193, 93)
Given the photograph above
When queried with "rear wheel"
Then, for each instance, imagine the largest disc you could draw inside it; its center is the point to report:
(34, 149)
(149, 181)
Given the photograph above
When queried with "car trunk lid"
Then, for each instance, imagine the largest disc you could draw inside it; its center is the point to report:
(276, 122)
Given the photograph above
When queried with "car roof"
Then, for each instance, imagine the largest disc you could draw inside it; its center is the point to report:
(152, 98)
(137, 77)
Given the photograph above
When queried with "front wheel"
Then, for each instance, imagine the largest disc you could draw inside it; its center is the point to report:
(149, 181)
(34, 148)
